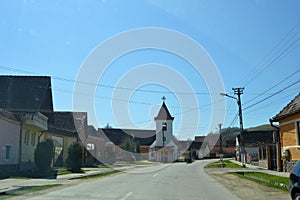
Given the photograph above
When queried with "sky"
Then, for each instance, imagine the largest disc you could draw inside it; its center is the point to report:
(116, 59)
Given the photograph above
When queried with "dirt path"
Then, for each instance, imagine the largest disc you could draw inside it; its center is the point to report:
(246, 189)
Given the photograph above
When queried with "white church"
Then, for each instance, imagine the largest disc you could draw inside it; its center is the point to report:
(163, 149)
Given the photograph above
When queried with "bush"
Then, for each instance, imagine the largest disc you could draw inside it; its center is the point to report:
(74, 159)
(43, 154)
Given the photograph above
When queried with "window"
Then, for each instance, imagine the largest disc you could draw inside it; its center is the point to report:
(26, 137)
(33, 138)
(90, 146)
(7, 152)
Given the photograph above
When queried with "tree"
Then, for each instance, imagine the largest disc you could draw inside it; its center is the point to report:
(44, 154)
(107, 126)
(74, 159)
(130, 146)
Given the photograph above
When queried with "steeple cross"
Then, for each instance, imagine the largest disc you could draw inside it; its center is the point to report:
(163, 98)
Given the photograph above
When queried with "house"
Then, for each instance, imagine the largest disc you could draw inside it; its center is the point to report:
(10, 129)
(289, 133)
(215, 146)
(30, 98)
(117, 137)
(95, 146)
(26, 94)
(65, 128)
(164, 148)
(253, 140)
(195, 149)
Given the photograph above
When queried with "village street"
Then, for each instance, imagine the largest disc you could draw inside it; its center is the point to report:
(167, 181)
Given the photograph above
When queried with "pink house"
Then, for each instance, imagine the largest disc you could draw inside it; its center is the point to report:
(10, 127)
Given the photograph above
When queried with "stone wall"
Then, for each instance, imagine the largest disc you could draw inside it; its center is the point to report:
(288, 165)
(8, 170)
(263, 164)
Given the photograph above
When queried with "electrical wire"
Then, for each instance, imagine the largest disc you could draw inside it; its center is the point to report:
(283, 80)
(272, 95)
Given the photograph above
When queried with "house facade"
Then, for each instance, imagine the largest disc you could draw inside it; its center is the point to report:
(95, 146)
(10, 130)
(289, 133)
(252, 141)
(64, 129)
(29, 98)
(32, 126)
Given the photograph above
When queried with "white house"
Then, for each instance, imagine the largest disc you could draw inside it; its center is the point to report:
(164, 149)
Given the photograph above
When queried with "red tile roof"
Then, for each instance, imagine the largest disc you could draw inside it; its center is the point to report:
(291, 108)
(9, 115)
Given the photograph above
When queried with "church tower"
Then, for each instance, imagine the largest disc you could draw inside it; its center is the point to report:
(163, 149)
(164, 126)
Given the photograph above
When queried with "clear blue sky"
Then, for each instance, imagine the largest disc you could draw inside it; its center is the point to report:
(254, 44)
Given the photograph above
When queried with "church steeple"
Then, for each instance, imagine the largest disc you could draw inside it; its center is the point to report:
(164, 113)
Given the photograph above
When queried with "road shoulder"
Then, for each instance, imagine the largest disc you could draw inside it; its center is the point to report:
(245, 189)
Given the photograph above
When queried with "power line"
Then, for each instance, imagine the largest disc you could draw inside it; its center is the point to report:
(273, 53)
(288, 77)
(234, 120)
(278, 100)
(109, 86)
(273, 61)
(268, 97)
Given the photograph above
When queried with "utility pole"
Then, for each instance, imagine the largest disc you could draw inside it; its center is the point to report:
(238, 92)
(221, 143)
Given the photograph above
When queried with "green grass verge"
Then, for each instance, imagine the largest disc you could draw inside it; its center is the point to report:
(265, 179)
(98, 175)
(63, 171)
(25, 190)
(219, 164)
(103, 166)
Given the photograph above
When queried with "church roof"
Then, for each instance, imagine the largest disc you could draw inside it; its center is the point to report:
(164, 113)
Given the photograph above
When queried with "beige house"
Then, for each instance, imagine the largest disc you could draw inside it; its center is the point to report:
(289, 132)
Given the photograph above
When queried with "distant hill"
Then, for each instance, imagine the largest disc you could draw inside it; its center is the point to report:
(229, 134)
(264, 127)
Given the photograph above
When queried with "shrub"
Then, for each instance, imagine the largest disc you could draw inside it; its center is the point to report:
(44, 154)
(74, 159)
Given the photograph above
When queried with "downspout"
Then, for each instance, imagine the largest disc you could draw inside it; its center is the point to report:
(20, 145)
(279, 163)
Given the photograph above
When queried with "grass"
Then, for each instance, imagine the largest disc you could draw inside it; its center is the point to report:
(27, 189)
(62, 171)
(227, 164)
(265, 179)
(103, 166)
(98, 175)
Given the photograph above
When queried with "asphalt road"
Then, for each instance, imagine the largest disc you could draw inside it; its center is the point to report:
(168, 182)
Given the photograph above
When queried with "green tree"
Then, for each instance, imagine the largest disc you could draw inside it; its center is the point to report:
(130, 146)
(44, 154)
(74, 159)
